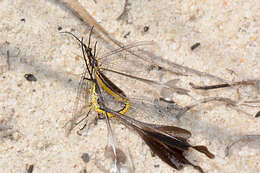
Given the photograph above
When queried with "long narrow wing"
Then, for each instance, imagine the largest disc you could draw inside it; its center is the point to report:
(81, 102)
(160, 140)
(172, 156)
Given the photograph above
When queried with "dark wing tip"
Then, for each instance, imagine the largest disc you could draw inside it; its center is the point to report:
(204, 150)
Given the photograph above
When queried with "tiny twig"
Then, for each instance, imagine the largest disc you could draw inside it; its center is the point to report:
(241, 139)
(224, 85)
(8, 60)
(205, 100)
(124, 12)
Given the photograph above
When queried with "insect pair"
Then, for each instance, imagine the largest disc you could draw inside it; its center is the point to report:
(168, 142)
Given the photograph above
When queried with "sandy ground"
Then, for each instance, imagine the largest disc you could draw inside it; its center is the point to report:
(33, 114)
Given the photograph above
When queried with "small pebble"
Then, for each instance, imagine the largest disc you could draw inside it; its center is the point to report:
(85, 157)
(30, 77)
(146, 28)
(59, 28)
(195, 46)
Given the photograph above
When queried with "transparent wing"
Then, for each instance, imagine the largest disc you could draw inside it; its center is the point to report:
(81, 104)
